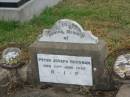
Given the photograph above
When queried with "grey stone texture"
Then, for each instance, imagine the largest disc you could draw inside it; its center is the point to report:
(124, 91)
(6, 77)
(50, 92)
(9, 0)
(27, 11)
(96, 51)
(3, 82)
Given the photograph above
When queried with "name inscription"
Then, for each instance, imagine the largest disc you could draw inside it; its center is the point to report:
(65, 69)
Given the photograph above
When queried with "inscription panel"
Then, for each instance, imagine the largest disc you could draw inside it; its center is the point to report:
(65, 69)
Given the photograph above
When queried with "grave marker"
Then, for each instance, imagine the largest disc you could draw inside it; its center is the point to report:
(66, 54)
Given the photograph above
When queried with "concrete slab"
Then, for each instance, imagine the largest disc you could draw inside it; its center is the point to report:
(50, 92)
(10, 0)
(124, 91)
(26, 11)
(12, 3)
(3, 82)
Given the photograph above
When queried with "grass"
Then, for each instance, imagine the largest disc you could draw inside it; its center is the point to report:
(107, 19)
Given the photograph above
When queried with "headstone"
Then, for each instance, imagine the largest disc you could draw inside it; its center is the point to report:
(122, 66)
(68, 55)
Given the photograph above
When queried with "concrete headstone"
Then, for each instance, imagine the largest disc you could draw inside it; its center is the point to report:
(66, 54)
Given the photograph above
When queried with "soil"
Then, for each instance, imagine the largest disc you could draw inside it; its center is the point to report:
(59, 92)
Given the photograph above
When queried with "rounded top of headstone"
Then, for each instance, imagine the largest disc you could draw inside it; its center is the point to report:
(122, 66)
(66, 24)
(68, 31)
(11, 55)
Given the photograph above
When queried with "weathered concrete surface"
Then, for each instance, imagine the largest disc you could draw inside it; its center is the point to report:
(26, 11)
(9, 0)
(124, 91)
(23, 73)
(3, 82)
(101, 79)
(6, 77)
(50, 92)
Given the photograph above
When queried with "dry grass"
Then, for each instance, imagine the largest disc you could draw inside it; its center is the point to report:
(107, 19)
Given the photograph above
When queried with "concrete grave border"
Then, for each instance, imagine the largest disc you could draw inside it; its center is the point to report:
(12, 4)
(27, 11)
